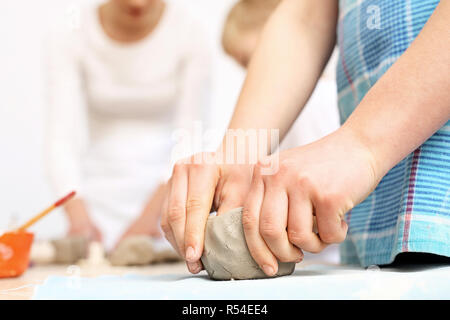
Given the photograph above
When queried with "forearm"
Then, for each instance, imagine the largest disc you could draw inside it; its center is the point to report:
(293, 50)
(411, 101)
(76, 213)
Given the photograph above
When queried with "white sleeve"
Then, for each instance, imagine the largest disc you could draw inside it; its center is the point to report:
(195, 83)
(66, 127)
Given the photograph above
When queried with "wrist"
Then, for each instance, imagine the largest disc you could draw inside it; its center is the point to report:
(361, 146)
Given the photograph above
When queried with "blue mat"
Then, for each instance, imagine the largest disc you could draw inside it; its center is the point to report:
(312, 282)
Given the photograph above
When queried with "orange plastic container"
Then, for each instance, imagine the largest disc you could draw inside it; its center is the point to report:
(15, 253)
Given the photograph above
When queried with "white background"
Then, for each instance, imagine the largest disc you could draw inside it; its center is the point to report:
(24, 190)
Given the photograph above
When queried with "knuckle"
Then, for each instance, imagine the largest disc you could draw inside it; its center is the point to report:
(329, 202)
(264, 163)
(275, 178)
(178, 166)
(304, 182)
(248, 220)
(176, 213)
(197, 162)
(268, 230)
(284, 167)
(297, 237)
(194, 204)
(261, 162)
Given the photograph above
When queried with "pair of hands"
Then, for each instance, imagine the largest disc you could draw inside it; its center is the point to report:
(321, 181)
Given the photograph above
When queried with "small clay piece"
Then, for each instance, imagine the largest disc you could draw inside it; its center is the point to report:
(70, 249)
(133, 251)
(42, 252)
(226, 255)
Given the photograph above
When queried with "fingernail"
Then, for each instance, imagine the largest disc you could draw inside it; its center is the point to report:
(299, 260)
(194, 267)
(198, 268)
(190, 254)
(268, 270)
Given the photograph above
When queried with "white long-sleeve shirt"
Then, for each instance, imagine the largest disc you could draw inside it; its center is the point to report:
(113, 108)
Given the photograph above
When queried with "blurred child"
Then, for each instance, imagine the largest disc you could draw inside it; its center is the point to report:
(118, 87)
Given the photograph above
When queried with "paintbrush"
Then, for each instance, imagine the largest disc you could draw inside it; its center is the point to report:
(42, 214)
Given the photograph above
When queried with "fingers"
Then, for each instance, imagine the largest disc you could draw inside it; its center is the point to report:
(272, 225)
(330, 222)
(170, 237)
(165, 226)
(176, 211)
(250, 222)
(202, 182)
(186, 209)
(300, 223)
(194, 267)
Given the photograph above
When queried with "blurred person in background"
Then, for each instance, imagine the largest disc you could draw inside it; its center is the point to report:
(118, 86)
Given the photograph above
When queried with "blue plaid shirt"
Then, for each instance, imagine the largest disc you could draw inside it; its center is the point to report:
(409, 211)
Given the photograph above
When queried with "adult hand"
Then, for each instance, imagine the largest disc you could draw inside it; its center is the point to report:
(324, 179)
(194, 189)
